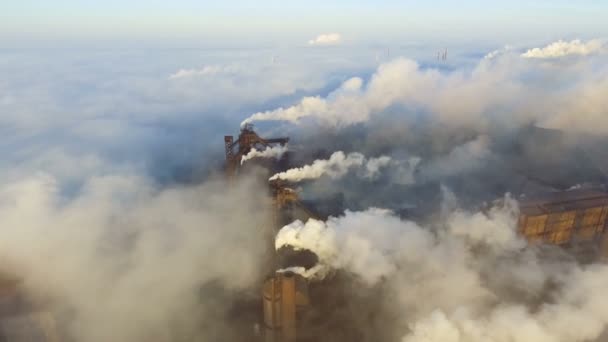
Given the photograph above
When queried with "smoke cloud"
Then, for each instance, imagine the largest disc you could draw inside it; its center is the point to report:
(335, 167)
(466, 98)
(125, 261)
(270, 152)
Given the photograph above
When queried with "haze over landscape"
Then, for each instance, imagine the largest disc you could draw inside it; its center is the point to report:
(416, 131)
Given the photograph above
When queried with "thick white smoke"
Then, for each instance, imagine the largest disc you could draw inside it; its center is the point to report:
(335, 167)
(467, 277)
(503, 89)
(350, 242)
(270, 152)
(125, 261)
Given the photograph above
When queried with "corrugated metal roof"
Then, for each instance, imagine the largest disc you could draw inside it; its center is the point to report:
(564, 201)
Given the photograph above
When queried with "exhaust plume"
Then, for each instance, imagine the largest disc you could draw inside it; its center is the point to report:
(335, 167)
(345, 242)
(309, 106)
(270, 152)
(469, 98)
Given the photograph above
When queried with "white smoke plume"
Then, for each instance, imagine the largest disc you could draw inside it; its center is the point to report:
(466, 98)
(335, 167)
(456, 97)
(312, 106)
(309, 106)
(326, 39)
(467, 277)
(270, 152)
(349, 242)
(563, 48)
(125, 261)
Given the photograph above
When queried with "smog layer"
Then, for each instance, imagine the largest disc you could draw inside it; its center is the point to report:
(116, 216)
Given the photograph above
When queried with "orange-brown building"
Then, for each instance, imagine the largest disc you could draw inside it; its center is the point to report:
(566, 218)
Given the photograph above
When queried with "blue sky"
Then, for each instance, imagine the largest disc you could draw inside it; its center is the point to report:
(241, 21)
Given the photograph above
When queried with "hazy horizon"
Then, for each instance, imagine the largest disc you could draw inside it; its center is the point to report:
(188, 23)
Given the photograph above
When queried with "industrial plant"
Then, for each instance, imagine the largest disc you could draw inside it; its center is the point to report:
(302, 300)
(292, 308)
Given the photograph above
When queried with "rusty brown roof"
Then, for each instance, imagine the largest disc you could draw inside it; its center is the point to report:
(564, 201)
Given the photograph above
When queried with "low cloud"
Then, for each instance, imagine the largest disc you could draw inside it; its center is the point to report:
(122, 107)
(563, 48)
(207, 70)
(326, 39)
